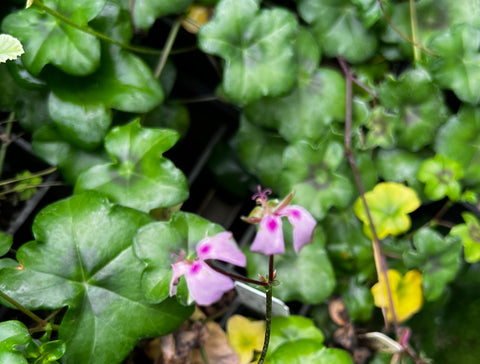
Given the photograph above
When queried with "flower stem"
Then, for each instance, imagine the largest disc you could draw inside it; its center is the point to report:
(268, 310)
(235, 276)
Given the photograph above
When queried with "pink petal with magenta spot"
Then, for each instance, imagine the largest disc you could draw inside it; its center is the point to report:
(303, 224)
(221, 247)
(269, 238)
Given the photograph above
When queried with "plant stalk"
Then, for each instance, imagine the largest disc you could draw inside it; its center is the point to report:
(27, 312)
(38, 174)
(414, 29)
(236, 276)
(268, 310)
(167, 48)
(3, 149)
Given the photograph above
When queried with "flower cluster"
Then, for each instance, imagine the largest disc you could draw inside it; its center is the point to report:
(206, 285)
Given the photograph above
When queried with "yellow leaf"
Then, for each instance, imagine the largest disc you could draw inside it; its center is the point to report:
(407, 294)
(245, 336)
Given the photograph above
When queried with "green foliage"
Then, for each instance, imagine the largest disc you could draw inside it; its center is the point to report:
(6, 242)
(95, 273)
(469, 233)
(255, 46)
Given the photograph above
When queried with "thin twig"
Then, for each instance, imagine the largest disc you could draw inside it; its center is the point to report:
(20, 179)
(167, 48)
(380, 261)
(6, 143)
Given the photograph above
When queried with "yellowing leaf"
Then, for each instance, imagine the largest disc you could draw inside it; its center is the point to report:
(407, 294)
(245, 336)
(389, 204)
(196, 17)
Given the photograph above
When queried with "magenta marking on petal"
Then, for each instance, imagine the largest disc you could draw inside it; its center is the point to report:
(205, 249)
(195, 268)
(272, 225)
(295, 213)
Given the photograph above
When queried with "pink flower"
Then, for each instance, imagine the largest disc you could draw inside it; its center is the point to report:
(269, 239)
(204, 284)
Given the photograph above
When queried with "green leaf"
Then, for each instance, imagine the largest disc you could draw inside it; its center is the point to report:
(298, 274)
(292, 328)
(338, 28)
(359, 301)
(51, 351)
(441, 176)
(10, 48)
(26, 187)
(145, 12)
(389, 204)
(83, 125)
(47, 39)
(138, 175)
(6, 242)
(257, 46)
(308, 55)
(456, 66)
(469, 233)
(381, 129)
(437, 257)
(123, 82)
(307, 111)
(13, 333)
(260, 151)
(459, 139)
(83, 259)
(49, 145)
(307, 351)
(156, 242)
(311, 172)
(417, 106)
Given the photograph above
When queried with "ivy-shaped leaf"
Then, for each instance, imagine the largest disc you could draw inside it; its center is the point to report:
(257, 46)
(47, 39)
(381, 129)
(10, 48)
(311, 172)
(441, 176)
(83, 259)
(49, 145)
(469, 233)
(457, 63)
(437, 257)
(306, 112)
(338, 28)
(406, 291)
(138, 175)
(459, 139)
(418, 107)
(6, 242)
(245, 336)
(145, 12)
(298, 274)
(389, 204)
(13, 333)
(155, 244)
(310, 352)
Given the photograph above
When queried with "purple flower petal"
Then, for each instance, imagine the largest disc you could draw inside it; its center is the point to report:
(303, 225)
(205, 285)
(221, 247)
(178, 269)
(269, 238)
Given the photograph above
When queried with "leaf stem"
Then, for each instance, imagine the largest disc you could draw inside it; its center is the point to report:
(268, 310)
(380, 261)
(167, 48)
(6, 141)
(93, 32)
(413, 26)
(20, 179)
(26, 311)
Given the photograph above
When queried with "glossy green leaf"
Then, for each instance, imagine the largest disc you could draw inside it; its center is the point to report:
(359, 301)
(307, 111)
(47, 39)
(437, 257)
(469, 233)
(417, 106)
(49, 145)
(138, 176)
(260, 151)
(83, 125)
(389, 204)
(145, 12)
(83, 259)
(156, 243)
(338, 28)
(307, 351)
(348, 248)
(308, 55)
(311, 172)
(13, 333)
(6, 242)
(459, 138)
(257, 46)
(298, 274)
(10, 48)
(441, 176)
(123, 82)
(292, 328)
(456, 66)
